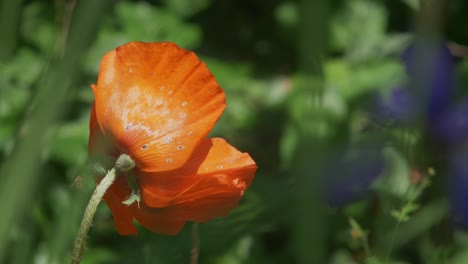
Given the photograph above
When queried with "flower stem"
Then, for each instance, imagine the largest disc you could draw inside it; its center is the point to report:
(195, 243)
(88, 216)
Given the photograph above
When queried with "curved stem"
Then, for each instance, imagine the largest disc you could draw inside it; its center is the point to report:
(195, 244)
(88, 216)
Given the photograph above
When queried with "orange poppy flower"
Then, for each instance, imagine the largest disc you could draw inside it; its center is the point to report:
(157, 103)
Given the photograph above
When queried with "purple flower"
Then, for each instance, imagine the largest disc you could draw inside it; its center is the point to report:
(426, 96)
(351, 173)
(430, 67)
(429, 88)
(432, 78)
(458, 169)
(452, 126)
(394, 107)
(429, 91)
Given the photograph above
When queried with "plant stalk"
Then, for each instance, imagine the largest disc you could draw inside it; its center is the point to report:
(88, 216)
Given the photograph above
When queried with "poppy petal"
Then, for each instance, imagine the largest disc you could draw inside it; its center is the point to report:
(210, 198)
(158, 102)
(159, 220)
(209, 185)
(123, 214)
(100, 148)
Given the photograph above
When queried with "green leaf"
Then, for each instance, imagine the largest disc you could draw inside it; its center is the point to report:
(353, 81)
(99, 255)
(144, 22)
(22, 71)
(395, 180)
(342, 257)
(356, 229)
(359, 28)
(70, 142)
(288, 145)
(186, 8)
(287, 13)
(141, 21)
(414, 4)
(37, 28)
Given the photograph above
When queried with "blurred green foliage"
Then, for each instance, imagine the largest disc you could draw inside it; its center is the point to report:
(290, 119)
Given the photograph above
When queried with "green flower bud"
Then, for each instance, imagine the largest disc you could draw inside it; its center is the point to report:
(124, 163)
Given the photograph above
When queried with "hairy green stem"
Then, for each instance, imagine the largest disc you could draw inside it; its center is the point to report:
(88, 216)
(123, 163)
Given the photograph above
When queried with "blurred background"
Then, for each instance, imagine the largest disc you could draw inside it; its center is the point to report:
(356, 112)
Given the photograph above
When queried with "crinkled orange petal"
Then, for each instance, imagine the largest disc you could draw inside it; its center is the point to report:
(160, 220)
(157, 101)
(100, 148)
(209, 185)
(123, 214)
(210, 198)
(118, 191)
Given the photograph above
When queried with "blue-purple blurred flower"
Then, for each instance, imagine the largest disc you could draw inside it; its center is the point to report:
(351, 173)
(452, 126)
(351, 176)
(428, 90)
(430, 68)
(393, 107)
(433, 73)
(458, 186)
(426, 96)
(430, 73)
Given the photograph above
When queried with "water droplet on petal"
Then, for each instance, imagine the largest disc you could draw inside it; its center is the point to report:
(180, 147)
(168, 160)
(145, 146)
(184, 103)
(168, 139)
(219, 167)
